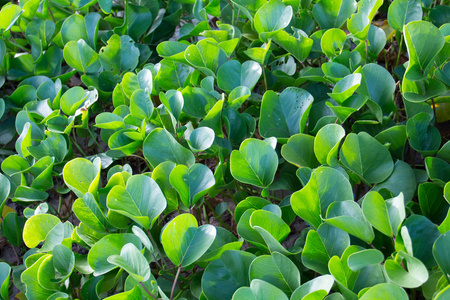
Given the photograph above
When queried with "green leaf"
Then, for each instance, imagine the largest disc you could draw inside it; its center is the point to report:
(423, 137)
(72, 99)
(277, 270)
(184, 242)
(320, 285)
(80, 56)
(259, 290)
(192, 183)
(255, 163)
(131, 82)
(284, 115)
(326, 143)
(437, 170)
(132, 261)
(161, 175)
(379, 85)
(223, 242)
(82, 176)
(345, 88)
(201, 139)
(332, 41)
(24, 141)
(108, 245)
(333, 14)
(366, 157)
(63, 262)
(297, 45)
(37, 229)
(432, 202)
(89, 212)
(222, 277)
(299, 151)
(359, 23)
(232, 75)
(326, 186)
(385, 216)
(348, 216)
(361, 259)
(197, 102)
(418, 235)
(141, 106)
(141, 200)
(29, 277)
(383, 290)
(54, 146)
(401, 12)
(74, 29)
(119, 55)
(5, 271)
(173, 101)
(13, 228)
(206, 56)
(271, 18)
(172, 50)
(8, 16)
(396, 137)
(441, 254)
(402, 180)
(134, 294)
(270, 222)
(160, 146)
(423, 41)
(415, 275)
(137, 20)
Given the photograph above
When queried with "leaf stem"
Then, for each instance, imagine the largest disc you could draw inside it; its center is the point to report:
(434, 109)
(175, 282)
(155, 245)
(146, 290)
(399, 52)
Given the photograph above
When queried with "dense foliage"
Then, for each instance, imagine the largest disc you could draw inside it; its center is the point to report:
(238, 149)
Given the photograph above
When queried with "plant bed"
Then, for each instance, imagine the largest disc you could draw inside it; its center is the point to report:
(207, 149)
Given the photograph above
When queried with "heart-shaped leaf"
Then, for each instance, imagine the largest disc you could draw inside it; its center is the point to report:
(141, 200)
(333, 14)
(192, 183)
(271, 18)
(132, 261)
(365, 156)
(348, 216)
(161, 146)
(326, 186)
(277, 270)
(284, 115)
(222, 277)
(184, 242)
(255, 163)
(232, 75)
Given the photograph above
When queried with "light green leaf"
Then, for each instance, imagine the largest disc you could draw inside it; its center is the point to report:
(255, 163)
(184, 242)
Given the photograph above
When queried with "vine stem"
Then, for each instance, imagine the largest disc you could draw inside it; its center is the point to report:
(175, 282)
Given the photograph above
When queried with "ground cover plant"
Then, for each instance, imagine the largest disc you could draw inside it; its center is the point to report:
(237, 149)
